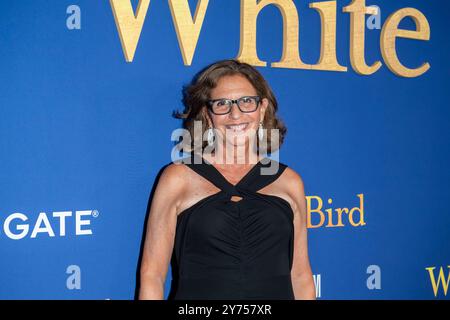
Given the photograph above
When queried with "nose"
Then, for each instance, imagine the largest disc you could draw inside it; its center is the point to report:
(235, 113)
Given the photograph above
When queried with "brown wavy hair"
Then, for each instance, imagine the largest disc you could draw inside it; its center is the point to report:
(197, 93)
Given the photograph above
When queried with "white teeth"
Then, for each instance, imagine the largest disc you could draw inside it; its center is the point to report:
(238, 127)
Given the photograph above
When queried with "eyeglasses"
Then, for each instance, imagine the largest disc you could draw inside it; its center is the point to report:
(245, 104)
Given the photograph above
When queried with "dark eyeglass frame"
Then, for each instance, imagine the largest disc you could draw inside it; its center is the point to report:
(230, 102)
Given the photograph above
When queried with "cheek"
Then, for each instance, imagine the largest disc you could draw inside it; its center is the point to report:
(218, 120)
(256, 118)
(215, 119)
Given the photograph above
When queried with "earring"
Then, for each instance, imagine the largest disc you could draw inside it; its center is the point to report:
(210, 137)
(260, 132)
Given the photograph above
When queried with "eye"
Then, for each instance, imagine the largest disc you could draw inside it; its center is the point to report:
(247, 100)
(221, 103)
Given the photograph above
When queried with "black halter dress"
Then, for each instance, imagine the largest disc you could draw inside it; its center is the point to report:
(234, 250)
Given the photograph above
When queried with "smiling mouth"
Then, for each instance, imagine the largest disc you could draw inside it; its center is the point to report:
(238, 127)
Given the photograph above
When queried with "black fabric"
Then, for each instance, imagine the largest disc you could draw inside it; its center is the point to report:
(234, 250)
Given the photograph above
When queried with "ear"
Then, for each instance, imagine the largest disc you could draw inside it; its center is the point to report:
(262, 109)
(206, 115)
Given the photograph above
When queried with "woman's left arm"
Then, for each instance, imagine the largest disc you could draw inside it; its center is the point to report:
(301, 274)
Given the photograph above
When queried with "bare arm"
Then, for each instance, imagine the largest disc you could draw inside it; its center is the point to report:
(160, 234)
(301, 274)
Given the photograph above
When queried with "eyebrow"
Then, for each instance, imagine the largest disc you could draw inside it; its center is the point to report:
(233, 99)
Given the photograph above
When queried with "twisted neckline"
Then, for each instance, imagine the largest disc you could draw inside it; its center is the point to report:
(244, 177)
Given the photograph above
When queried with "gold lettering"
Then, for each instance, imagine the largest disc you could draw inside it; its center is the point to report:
(247, 52)
(330, 216)
(290, 56)
(327, 60)
(391, 32)
(441, 279)
(339, 213)
(188, 29)
(310, 211)
(128, 24)
(360, 209)
(358, 11)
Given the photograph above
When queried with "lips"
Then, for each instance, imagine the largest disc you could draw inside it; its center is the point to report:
(237, 127)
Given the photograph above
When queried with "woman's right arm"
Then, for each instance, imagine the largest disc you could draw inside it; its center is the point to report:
(160, 233)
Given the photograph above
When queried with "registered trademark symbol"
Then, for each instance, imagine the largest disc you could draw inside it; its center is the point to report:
(95, 213)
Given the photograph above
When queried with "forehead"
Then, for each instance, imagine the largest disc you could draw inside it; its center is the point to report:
(233, 86)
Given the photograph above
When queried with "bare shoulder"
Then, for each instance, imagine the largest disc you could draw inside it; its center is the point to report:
(292, 179)
(172, 184)
(174, 176)
(293, 186)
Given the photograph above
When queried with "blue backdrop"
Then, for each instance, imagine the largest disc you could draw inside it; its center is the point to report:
(84, 134)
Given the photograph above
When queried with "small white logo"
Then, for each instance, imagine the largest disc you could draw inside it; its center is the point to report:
(16, 225)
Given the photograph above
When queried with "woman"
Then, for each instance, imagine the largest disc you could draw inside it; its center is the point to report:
(232, 231)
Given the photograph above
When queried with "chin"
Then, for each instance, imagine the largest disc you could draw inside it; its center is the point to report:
(237, 140)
